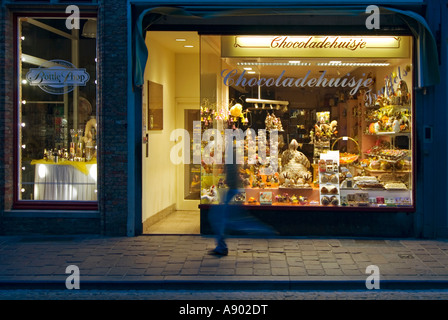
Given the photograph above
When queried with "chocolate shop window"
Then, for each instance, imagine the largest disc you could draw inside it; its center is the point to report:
(343, 128)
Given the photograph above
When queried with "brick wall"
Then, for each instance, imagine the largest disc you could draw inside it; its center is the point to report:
(49, 226)
(6, 108)
(112, 36)
(2, 116)
(2, 112)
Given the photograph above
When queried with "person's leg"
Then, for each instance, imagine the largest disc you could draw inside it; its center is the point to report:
(218, 221)
(238, 219)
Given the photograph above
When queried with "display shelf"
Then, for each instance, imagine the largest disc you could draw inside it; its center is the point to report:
(376, 198)
(402, 106)
(377, 193)
(316, 207)
(329, 193)
(389, 133)
(383, 158)
(297, 188)
(373, 171)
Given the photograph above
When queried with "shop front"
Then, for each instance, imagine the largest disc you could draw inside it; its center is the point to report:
(325, 124)
(120, 123)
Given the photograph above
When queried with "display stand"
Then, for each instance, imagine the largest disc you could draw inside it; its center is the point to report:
(320, 147)
(329, 191)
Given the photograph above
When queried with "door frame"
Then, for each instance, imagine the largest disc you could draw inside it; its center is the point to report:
(183, 104)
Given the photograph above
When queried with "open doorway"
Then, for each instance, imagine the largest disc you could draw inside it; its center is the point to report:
(171, 94)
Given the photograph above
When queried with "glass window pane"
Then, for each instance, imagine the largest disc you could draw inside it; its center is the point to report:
(57, 111)
(342, 109)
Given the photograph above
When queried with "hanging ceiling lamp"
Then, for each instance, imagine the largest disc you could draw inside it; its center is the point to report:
(89, 29)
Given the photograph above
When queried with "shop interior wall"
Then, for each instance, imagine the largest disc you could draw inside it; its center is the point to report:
(179, 75)
(159, 174)
(187, 77)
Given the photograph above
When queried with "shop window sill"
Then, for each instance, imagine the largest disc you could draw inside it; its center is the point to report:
(89, 214)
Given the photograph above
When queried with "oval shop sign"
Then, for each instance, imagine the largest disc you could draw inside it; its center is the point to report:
(57, 77)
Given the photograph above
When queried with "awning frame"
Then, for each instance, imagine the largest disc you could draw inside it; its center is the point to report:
(427, 54)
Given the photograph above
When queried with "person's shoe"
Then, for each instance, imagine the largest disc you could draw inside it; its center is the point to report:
(219, 252)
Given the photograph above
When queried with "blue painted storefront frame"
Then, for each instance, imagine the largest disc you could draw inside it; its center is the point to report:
(430, 217)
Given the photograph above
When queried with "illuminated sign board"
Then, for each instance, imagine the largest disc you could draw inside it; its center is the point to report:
(316, 46)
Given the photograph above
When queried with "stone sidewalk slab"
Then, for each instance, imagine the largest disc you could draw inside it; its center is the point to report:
(183, 260)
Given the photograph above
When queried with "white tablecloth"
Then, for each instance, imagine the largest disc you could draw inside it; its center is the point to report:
(65, 182)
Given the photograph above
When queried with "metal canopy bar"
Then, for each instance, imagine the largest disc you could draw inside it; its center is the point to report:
(49, 28)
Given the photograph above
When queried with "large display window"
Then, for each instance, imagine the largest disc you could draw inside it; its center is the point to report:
(321, 121)
(56, 110)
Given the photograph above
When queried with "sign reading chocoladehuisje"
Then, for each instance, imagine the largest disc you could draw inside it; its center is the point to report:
(316, 46)
(236, 78)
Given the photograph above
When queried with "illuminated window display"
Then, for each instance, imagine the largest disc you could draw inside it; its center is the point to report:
(56, 110)
(323, 121)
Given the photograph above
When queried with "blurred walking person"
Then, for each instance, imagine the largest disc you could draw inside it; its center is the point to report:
(227, 215)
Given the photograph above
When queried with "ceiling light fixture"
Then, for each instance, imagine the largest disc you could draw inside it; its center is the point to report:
(352, 64)
(273, 64)
(90, 29)
(264, 101)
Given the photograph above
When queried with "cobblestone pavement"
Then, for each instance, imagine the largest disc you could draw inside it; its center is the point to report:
(184, 259)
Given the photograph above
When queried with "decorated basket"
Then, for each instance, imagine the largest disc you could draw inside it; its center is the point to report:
(345, 157)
